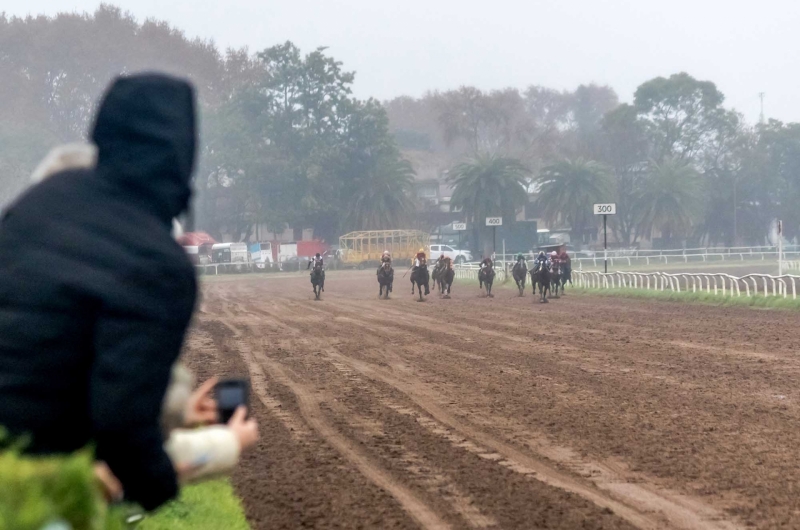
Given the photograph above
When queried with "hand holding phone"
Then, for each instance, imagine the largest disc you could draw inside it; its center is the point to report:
(230, 395)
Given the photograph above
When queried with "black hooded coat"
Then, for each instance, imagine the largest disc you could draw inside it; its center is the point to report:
(96, 295)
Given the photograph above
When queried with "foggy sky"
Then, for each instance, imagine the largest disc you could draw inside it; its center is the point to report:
(411, 46)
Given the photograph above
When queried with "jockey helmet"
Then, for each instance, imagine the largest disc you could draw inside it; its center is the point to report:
(421, 250)
(318, 255)
(385, 252)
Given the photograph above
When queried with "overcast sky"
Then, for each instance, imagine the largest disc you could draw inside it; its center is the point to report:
(410, 46)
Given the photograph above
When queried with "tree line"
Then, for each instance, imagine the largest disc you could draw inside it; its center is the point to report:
(682, 168)
(284, 143)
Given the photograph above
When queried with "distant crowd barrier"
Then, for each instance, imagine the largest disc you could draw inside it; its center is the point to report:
(718, 283)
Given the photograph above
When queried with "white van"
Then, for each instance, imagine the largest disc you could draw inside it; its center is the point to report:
(229, 253)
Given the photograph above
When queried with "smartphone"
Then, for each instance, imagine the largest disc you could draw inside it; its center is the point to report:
(231, 394)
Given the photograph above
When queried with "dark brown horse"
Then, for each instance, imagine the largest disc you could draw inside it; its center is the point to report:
(318, 280)
(486, 277)
(520, 273)
(436, 275)
(540, 275)
(446, 277)
(555, 278)
(385, 279)
(566, 275)
(421, 278)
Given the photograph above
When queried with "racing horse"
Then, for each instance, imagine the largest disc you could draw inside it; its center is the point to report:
(385, 279)
(436, 275)
(520, 273)
(555, 277)
(566, 276)
(486, 277)
(420, 278)
(446, 279)
(541, 275)
(318, 280)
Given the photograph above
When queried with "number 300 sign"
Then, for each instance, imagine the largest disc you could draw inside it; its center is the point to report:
(605, 209)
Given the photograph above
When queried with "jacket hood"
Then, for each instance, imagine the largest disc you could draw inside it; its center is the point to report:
(146, 136)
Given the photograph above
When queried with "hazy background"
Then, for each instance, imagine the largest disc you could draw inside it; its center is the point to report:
(413, 46)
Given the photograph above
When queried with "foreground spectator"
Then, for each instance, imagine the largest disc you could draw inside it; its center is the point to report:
(95, 295)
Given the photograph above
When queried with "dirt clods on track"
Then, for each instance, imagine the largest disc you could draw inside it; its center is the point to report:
(586, 413)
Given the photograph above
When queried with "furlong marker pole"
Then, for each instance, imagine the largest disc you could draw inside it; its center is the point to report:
(605, 244)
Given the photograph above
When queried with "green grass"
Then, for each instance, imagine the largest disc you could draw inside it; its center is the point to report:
(207, 506)
(764, 302)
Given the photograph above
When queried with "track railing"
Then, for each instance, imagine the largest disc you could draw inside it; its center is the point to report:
(717, 282)
(667, 259)
(469, 271)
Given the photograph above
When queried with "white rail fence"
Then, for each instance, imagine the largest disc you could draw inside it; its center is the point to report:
(469, 271)
(655, 253)
(718, 283)
(665, 259)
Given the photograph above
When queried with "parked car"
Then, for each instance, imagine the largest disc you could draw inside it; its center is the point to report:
(458, 256)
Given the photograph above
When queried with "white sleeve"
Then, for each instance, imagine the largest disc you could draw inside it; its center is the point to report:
(206, 451)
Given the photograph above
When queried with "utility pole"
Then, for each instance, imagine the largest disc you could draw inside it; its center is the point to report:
(761, 116)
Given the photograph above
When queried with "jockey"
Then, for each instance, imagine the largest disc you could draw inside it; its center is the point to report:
(541, 259)
(487, 262)
(563, 256)
(420, 260)
(555, 262)
(521, 260)
(385, 258)
(316, 260)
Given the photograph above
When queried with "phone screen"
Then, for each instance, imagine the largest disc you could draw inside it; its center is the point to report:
(230, 396)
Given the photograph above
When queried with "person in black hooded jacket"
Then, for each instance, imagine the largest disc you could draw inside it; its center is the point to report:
(96, 296)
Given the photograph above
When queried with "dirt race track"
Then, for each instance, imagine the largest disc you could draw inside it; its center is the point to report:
(587, 412)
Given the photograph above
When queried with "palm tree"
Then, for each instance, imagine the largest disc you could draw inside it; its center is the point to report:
(488, 186)
(670, 198)
(568, 189)
(381, 200)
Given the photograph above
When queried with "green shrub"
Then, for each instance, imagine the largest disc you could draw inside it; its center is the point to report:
(36, 491)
